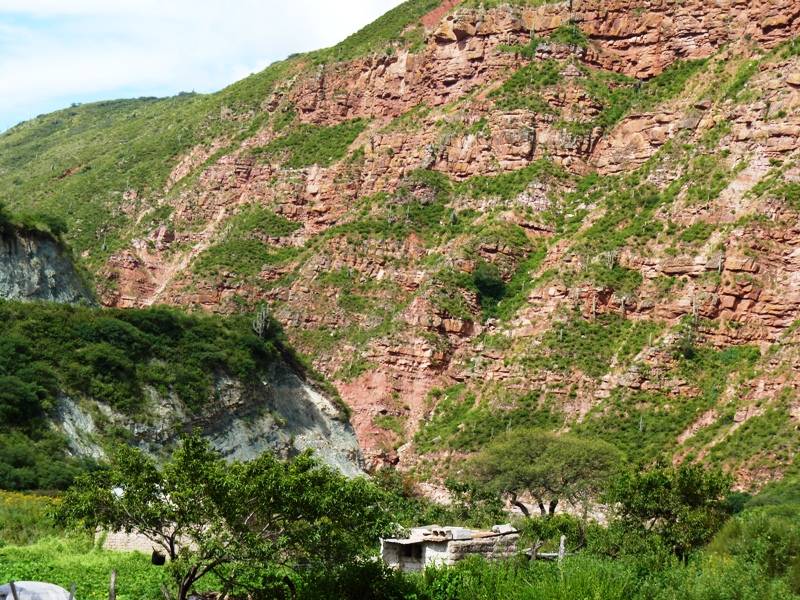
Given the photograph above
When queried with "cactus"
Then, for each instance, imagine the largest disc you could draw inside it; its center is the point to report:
(261, 323)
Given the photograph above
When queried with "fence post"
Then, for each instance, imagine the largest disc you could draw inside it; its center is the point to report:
(562, 548)
(112, 590)
(14, 591)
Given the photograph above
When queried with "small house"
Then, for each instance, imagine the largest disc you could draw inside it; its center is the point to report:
(435, 545)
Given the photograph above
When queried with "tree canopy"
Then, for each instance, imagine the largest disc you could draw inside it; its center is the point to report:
(260, 520)
(685, 506)
(551, 467)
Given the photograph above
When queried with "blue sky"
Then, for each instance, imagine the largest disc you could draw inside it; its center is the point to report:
(57, 52)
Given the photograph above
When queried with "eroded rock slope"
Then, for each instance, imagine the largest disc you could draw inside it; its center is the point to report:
(576, 216)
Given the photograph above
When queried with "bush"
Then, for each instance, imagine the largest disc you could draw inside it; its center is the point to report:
(682, 505)
(571, 35)
(768, 540)
(19, 403)
(37, 460)
(576, 578)
(489, 283)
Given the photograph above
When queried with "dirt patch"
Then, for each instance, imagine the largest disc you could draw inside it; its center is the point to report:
(69, 172)
(433, 17)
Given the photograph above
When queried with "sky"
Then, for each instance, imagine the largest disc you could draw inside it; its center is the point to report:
(54, 53)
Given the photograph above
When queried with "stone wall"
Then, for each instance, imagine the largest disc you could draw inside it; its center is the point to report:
(491, 548)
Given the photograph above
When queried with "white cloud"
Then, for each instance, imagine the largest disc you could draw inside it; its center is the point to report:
(54, 52)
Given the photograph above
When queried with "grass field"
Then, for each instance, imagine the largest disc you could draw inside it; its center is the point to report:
(64, 561)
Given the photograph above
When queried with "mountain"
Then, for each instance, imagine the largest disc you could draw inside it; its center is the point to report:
(475, 216)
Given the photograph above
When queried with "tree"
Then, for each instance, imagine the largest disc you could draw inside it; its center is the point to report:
(684, 506)
(206, 515)
(488, 280)
(470, 505)
(551, 467)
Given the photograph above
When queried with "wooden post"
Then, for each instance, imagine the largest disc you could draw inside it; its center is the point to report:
(562, 548)
(72, 591)
(14, 591)
(112, 590)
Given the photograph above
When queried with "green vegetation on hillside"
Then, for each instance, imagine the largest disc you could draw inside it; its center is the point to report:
(571, 35)
(520, 91)
(382, 34)
(489, 4)
(308, 145)
(243, 250)
(111, 357)
(76, 164)
(644, 424)
(508, 186)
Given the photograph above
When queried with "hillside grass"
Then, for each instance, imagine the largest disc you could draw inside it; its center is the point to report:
(75, 164)
(309, 145)
(112, 355)
(381, 35)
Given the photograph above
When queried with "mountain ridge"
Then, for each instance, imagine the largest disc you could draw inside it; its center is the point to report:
(431, 221)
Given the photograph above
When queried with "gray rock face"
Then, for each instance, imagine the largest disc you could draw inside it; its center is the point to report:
(285, 416)
(38, 269)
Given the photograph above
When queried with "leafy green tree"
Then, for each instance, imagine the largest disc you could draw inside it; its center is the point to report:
(489, 283)
(551, 467)
(684, 506)
(262, 518)
(471, 505)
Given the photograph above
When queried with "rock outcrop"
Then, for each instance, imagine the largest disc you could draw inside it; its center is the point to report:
(285, 416)
(39, 269)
